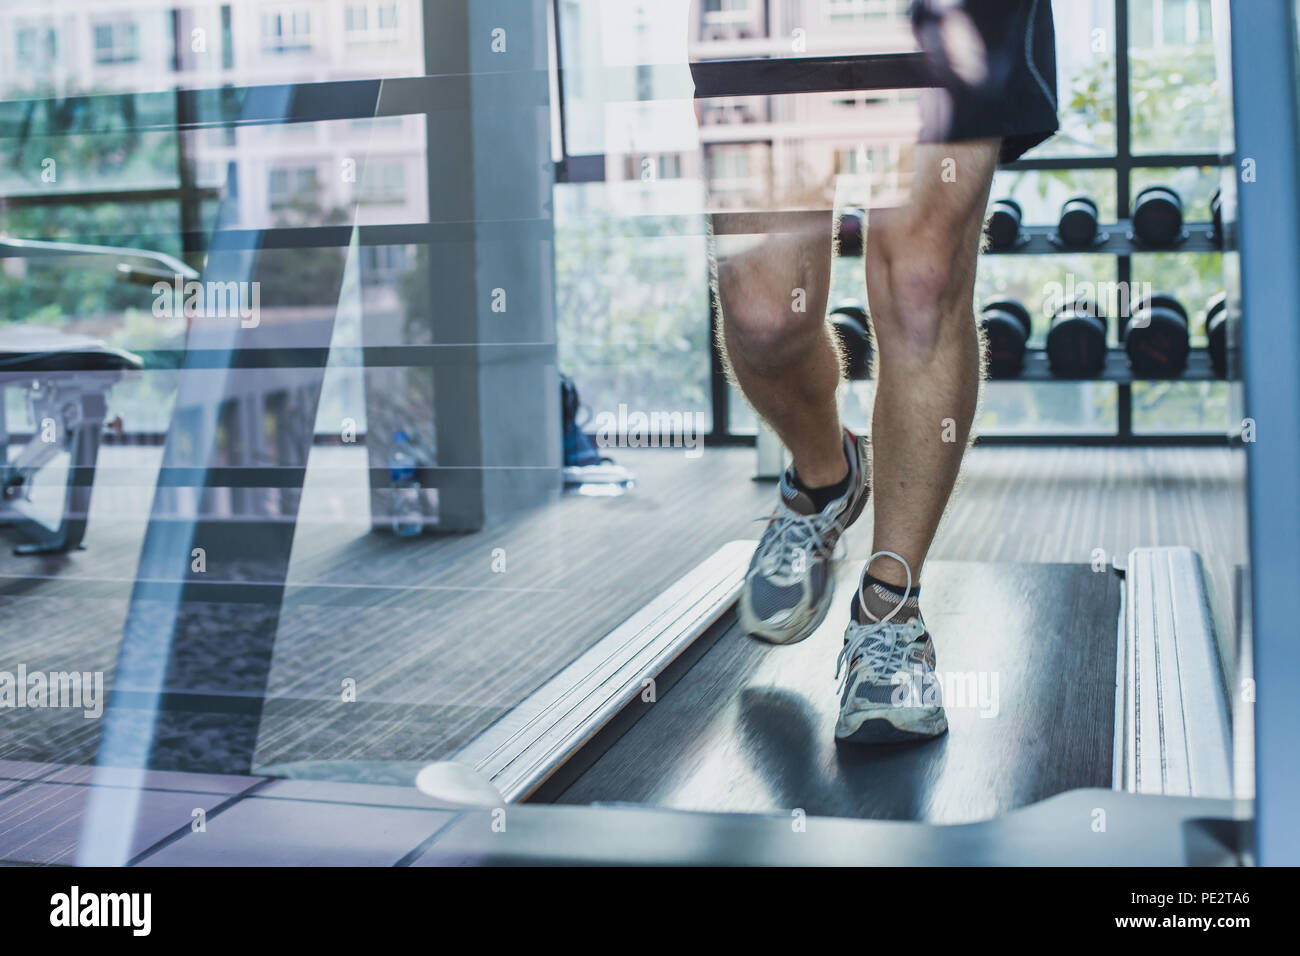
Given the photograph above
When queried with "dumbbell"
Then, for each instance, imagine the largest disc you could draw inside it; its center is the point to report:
(1216, 330)
(1076, 340)
(850, 231)
(1004, 224)
(1158, 216)
(1216, 217)
(1077, 226)
(1006, 330)
(849, 320)
(1154, 334)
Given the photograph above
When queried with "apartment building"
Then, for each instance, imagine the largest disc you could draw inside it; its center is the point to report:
(751, 151)
(270, 175)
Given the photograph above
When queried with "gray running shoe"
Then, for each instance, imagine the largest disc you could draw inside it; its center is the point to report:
(787, 587)
(889, 692)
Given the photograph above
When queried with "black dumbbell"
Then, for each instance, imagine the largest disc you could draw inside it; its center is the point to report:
(850, 231)
(1155, 336)
(1076, 340)
(1216, 217)
(1004, 224)
(1077, 227)
(849, 320)
(1006, 330)
(1216, 330)
(1158, 216)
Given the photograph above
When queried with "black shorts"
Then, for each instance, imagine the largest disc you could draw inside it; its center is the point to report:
(1017, 101)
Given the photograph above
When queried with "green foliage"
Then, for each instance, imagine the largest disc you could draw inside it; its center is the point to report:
(1176, 103)
(632, 311)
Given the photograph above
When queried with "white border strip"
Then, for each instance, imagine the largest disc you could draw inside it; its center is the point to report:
(522, 749)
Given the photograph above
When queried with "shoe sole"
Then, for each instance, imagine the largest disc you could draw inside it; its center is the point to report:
(883, 730)
(755, 628)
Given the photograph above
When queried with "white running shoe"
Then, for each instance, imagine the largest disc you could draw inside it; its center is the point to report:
(889, 691)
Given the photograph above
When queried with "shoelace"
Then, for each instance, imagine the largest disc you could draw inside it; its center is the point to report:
(791, 532)
(882, 644)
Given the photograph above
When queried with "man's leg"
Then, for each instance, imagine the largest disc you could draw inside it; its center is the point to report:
(920, 266)
(773, 303)
(779, 346)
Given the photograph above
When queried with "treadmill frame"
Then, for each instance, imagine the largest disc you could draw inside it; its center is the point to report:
(1265, 68)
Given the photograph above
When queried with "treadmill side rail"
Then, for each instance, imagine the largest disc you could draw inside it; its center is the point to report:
(1175, 735)
(525, 747)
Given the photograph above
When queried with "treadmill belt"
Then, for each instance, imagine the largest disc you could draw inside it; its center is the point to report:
(749, 726)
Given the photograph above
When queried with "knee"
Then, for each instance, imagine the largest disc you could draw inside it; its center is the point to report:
(768, 331)
(923, 300)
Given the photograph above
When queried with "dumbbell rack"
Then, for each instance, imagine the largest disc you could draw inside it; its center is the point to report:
(1116, 370)
(1116, 239)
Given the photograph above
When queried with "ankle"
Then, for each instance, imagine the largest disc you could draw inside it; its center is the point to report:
(822, 475)
(879, 599)
(891, 574)
(826, 471)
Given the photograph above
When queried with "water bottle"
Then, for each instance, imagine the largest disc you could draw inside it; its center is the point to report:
(408, 515)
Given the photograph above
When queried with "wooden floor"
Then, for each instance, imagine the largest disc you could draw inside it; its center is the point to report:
(439, 645)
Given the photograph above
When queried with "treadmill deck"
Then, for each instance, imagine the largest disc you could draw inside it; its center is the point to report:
(1027, 657)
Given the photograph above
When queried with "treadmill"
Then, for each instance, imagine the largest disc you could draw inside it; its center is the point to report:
(1081, 703)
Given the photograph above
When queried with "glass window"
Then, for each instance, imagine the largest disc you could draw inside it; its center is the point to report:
(1174, 95)
(373, 22)
(286, 32)
(35, 48)
(117, 42)
(384, 182)
(1085, 80)
(633, 329)
(727, 6)
(864, 10)
(287, 187)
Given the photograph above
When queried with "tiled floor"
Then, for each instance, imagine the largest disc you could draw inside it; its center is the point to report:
(210, 820)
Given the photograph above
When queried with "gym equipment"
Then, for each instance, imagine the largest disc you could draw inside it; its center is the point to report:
(733, 728)
(1006, 329)
(1155, 336)
(1158, 216)
(1216, 330)
(1216, 218)
(1076, 340)
(850, 231)
(1077, 227)
(67, 379)
(1003, 227)
(849, 320)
